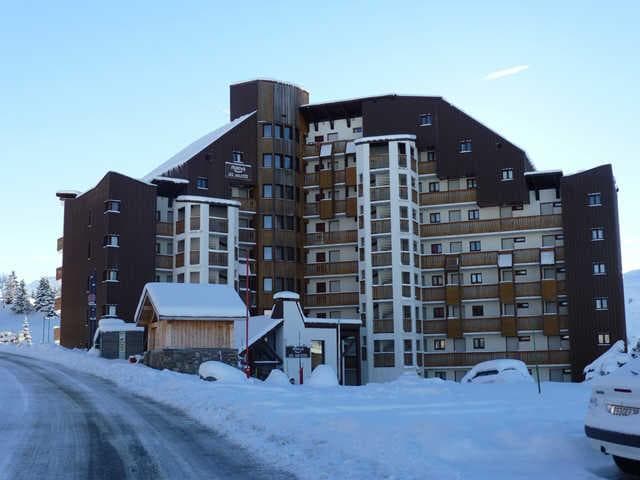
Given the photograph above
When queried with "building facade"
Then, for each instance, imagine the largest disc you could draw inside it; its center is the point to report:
(402, 211)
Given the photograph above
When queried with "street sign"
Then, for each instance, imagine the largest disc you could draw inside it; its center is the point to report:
(298, 351)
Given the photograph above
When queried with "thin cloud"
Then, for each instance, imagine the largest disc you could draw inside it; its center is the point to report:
(506, 72)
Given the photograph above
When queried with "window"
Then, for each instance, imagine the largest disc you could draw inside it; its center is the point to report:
(267, 221)
(202, 183)
(332, 136)
(267, 160)
(506, 174)
(474, 246)
(473, 214)
(604, 339)
(111, 240)
(455, 247)
(357, 129)
(550, 307)
(425, 119)
(334, 255)
(476, 278)
(597, 234)
(548, 240)
(317, 353)
(267, 130)
(438, 312)
(599, 268)
(334, 286)
(478, 343)
(194, 277)
(436, 248)
(506, 244)
(522, 273)
(506, 275)
(236, 156)
(594, 199)
(434, 187)
(109, 310)
(267, 190)
(288, 162)
(267, 253)
(436, 280)
(477, 310)
(431, 155)
(434, 217)
(455, 215)
(465, 146)
(472, 183)
(110, 275)
(524, 338)
(277, 131)
(519, 240)
(288, 133)
(601, 303)
(112, 206)
(546, 208)
(522, 305)
(439, 344)
(319, 138)
(267, 284)
(548, 273)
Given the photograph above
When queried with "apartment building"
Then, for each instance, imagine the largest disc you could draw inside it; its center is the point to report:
(403, 211)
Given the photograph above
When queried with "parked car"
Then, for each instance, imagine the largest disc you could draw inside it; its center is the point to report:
(498, 371)
(613, 418)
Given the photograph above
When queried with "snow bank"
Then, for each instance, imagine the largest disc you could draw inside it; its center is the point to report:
(498, 371)
(221, 372)
(323, 376)
(278, 377)
(608, 362)
(409, 429)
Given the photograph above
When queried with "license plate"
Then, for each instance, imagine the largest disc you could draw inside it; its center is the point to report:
(622, 411)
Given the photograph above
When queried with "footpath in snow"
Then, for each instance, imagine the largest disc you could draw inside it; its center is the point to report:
(411, 428)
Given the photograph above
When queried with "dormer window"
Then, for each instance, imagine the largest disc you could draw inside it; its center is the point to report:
(425, 119)
(112, 206)
(465, 146)
(111, 240)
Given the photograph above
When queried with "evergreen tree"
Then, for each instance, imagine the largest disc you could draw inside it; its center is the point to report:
(25, 335)
(9, 288)
(42, 295)
(21, 302)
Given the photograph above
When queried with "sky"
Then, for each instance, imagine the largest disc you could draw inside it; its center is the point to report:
(87, 87)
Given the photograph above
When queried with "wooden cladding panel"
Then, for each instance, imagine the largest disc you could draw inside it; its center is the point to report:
(551, 325)
(326, 179)
(351, 207)
(452, 295)
(451, 196)
(543, 357)
(506, 292)
(494, 225)
(326, 209)
(549, 290)
(350, 176)
(194, 334)
(509, 327)
(528, 289)
(454, 328)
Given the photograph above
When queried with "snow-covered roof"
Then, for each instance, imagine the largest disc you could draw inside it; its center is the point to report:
(386, 138)
(259, 326)
(333, 321)
(160, 178)
(543, 172)
(192, 301)
(199, 199)
(115, 325)
(193, 149)
(285, 295)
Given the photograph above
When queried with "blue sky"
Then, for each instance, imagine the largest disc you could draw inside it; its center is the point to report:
(124, 85)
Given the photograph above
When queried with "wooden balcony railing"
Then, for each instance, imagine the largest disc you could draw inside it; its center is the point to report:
(331, 299)
(487, 226)
(470, 325)
(180, 259)
(59, 244)
(331, 268)
(480, 291)
(528, 289)
(432, 261)
(383, 326)
(526, 255)
(433, 294)
(218, 259)
(546, 357)
(382, 292)
(57, 304)
(529, 323)
(247, 236)
(164, 261)
(194, 223)
(380, 226)
(479, 258)
(379, 193)
(59, 273)
(166, 229)
(451, 196)
(221, 226)
(246, 204)
(434, 326)
(322, 238)
(426, 167)
(194, 257)
(179, 227)
(380, 259)
(378, 161)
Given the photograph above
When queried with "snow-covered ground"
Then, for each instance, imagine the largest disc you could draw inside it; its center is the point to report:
(411, 428)
(632, 302)
(12, 322)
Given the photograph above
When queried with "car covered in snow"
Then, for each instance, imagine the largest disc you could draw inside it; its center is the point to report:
(498, 371)
(613, 417)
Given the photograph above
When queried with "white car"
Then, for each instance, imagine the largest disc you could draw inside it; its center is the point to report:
(498, 371)
(613, 418)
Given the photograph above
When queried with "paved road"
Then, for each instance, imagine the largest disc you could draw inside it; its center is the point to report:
(56, 423)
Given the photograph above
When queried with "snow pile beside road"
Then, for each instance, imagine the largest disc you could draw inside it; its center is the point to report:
(278, 377)
(407, 429)
(608, 362)
(221, 372)
(323, 376)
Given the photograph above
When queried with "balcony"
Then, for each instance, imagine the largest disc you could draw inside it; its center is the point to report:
(434, 326)
(479, 291)
(247, 236)
(426, 168)
(218, 259)
(59, 273)
(246, 204)
(165, 229)
(526, 255)
(194, 223)
(379, 193)
(179, 227)
(59, 244)
(338, 237)
(433, 294)
(432, 261)
(331, 299)
(331, 268)
(546, 357)
(452, 196)
(382, 292)
(57, 305)
(383, 325)
(470, 325)
(164, 261)
(313, 179)
(528, 289)
(380, 259)
(479, 258)
(194, 257)
(381, 226)
(378, 161)
(218, 226)
(488, 226)
(180, 259)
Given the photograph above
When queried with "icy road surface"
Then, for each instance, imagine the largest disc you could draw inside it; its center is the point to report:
(62, 424)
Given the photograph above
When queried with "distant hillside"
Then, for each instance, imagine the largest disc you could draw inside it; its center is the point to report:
(632, 302)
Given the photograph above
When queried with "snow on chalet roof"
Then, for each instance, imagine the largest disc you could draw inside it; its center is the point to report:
(170, 179)
(192, 300)
(259, 326)
(543, 172)
(386, 138)
(285, 295)
(217, 201)
(196, 147)
(333, 321)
